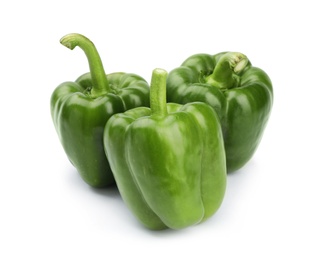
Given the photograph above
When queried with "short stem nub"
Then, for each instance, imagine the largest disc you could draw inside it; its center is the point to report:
(158, 92)
(98, 75)
(225, 73)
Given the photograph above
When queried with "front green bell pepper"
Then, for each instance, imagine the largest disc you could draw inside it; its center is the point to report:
(81, 109)
(241, 94)
(168, 160)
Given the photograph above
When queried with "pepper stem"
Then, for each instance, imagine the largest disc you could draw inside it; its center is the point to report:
(98, 75)
(225, 73)
(158, 92)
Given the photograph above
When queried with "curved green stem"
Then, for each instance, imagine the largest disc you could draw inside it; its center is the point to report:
(224, 75)
(98, 75)
(158, 92)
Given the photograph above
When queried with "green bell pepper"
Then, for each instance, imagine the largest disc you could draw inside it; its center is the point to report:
(81, 109)
(241, 94)
(168, 160)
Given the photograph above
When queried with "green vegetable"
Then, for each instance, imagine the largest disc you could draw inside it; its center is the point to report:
(168, 160)
(241, 95)
(81, 109)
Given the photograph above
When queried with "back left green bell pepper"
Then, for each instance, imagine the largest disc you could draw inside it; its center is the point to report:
(81, 109)
(168, 160)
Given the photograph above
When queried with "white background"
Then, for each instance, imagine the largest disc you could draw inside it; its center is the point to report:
(273, 208)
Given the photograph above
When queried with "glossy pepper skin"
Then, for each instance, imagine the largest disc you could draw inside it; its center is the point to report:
(241, 95)
(168, 160)
(81, 109)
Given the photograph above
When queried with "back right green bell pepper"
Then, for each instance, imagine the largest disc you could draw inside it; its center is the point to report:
(168, 160)
(241, 94)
